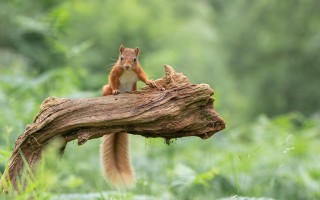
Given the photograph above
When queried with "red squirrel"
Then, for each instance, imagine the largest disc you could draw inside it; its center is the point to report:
(114, 150)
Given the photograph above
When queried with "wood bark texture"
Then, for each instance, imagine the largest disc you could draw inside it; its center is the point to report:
(176, 108)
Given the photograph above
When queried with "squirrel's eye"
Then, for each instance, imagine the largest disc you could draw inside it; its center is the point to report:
(134, 60)
(121, 58)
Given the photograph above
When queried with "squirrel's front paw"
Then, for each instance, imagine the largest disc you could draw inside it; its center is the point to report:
(114, 92)
(151, 83)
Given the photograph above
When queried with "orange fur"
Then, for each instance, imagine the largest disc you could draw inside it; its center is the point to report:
(115, 160)
(114, 149)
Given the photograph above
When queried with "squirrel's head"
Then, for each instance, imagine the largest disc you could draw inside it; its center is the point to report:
(128, 57)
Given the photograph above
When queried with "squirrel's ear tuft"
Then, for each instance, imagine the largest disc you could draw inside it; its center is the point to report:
(121, 48)
(136, 51)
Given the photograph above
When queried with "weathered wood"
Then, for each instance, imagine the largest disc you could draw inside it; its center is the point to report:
(175, 109)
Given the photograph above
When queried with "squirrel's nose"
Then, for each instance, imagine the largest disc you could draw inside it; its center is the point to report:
(127, 66)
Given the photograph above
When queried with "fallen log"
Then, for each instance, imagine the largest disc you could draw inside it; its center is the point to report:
(176, 108)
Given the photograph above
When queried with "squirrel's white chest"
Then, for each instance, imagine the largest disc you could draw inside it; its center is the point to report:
(127, 79)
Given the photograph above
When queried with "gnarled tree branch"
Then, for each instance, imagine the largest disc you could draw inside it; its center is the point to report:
(175, 109)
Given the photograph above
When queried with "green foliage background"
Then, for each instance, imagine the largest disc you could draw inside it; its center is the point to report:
(261, 58)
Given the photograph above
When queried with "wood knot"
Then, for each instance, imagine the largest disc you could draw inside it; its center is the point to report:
(33, 140)
(168, 140)
(172, 77)
(83, 136)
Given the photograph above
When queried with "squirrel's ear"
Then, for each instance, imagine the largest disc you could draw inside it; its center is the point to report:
(136, 51)
(121, 48)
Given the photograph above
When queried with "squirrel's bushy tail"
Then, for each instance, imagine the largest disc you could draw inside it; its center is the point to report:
(115, 160)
